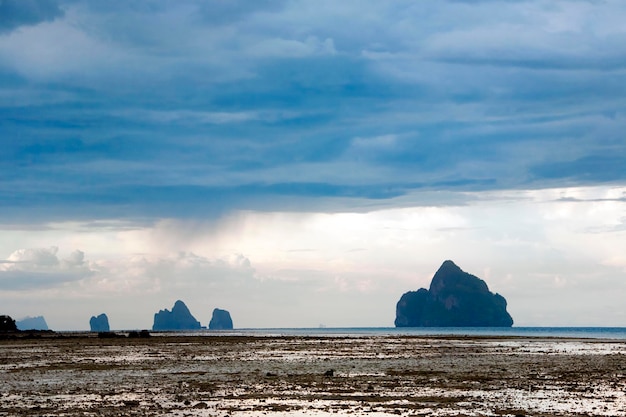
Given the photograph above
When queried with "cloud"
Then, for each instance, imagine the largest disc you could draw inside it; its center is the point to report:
(382, 137)
(220, 12)
(35, 268)
(16, 13)
(33, 258)
(280, 268)
(164, 274)
(588, 169)
(373, 147)
(289, 48)
(281, 105)
(528, 35)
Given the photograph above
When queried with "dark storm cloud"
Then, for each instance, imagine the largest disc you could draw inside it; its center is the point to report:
(16, 13)
(196, 108)
(590, 169)
(226, 12)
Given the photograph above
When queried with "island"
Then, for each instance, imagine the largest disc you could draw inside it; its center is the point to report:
(221, 320)
(32, 323)
(180, 318)
(455, 299)
(100, 323)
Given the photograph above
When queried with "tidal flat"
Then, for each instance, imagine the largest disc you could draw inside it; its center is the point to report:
(240, 376)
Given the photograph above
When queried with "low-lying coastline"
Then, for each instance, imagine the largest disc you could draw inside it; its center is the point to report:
(238, 375)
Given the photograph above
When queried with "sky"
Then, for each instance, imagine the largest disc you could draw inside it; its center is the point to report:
(304, 163)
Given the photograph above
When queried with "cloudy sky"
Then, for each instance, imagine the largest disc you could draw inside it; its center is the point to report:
(302, 162)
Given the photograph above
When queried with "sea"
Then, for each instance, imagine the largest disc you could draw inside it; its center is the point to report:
(604, 333)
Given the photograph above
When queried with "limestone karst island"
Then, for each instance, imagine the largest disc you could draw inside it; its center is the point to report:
(221, 320)
(454, 299)
(99, 323)
(180, 318)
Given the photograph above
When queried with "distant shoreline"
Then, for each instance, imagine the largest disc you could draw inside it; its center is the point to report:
(583, 333)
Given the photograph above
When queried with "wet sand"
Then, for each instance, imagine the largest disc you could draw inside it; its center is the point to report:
(315, 376)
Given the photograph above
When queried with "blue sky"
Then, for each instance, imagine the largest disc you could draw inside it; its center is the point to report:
(303, 163)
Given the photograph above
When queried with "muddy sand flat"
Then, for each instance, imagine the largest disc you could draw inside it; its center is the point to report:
(314, 376)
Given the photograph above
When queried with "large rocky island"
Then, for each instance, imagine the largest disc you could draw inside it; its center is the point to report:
(455, 299)
(179, 318)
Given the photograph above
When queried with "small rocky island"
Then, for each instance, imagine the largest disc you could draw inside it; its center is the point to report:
(100, 323)
(179, 318)
(455, 299)
(221, 320)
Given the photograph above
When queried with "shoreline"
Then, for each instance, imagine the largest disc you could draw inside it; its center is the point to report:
(160, 334)
(600, 332)
(258, 376)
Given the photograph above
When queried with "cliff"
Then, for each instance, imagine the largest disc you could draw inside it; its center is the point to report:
(454, 299)
(100, 323)
(32, 323)
(179, 318)
(220, 320)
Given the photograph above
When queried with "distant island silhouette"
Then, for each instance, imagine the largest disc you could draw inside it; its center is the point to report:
(32, 323)
(455, 299)
(221, 320)
(99, 323)
(180, 318)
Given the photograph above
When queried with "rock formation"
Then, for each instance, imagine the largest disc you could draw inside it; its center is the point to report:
(7, 324)
(100, 323)
(179, 318)
(220, 320)
(455, 299)
(32, 323)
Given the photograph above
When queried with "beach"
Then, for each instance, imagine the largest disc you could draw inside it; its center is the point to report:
(224, 375)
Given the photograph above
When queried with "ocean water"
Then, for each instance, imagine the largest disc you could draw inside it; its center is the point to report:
(605, 333)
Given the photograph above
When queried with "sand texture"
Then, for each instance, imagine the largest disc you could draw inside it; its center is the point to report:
(278, 376)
